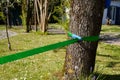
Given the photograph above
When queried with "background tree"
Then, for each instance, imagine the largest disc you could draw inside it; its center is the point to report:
(44, 10)
(23, 16)
(14, 12)
(85, 20)
(29, 15)
(35, 16)
(7, 25)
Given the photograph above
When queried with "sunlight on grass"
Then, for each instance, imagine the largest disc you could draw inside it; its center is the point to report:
(110, 29)
(109, 56)
(35, 67)
(108, 60)
(2, 27)
(45, 66)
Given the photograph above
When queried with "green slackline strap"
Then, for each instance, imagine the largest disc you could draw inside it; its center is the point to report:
(90, 38)
(38, 50)
(20, 55)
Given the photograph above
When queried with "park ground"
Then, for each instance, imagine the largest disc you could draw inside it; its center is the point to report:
(49, 65)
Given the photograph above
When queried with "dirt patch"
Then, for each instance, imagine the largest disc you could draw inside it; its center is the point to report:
(55, 31)
(3, 34)
(113, 39)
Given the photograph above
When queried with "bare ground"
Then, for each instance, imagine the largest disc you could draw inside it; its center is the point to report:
(111, 38)
(3, 34)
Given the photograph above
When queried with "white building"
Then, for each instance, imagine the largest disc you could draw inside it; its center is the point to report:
(113, 13)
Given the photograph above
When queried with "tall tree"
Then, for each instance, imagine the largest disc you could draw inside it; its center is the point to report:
(85, 20)
(45, 8)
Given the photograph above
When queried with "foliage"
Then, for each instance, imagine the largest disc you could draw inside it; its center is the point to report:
(14, 11)
(2, 18)
(62, 19)
(52, 5)
(111, 29)
(56, 8)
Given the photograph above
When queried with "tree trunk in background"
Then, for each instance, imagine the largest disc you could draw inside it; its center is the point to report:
(43, 5)
(29, 17)
(8, 25)
(23, 13)
(35, 16)
(45, 16)
(85, 20)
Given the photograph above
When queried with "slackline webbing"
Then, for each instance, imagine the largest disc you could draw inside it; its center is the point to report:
(20, 55)
(89, 38)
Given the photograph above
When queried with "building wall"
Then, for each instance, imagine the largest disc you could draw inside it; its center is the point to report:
(115, 3)
(104, 16)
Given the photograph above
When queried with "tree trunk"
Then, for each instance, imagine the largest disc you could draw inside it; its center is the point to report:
(43, 5)
(29, 16)
(7, 25)
(46, 16)
(85, 20)
(24, 13)
(35, 16)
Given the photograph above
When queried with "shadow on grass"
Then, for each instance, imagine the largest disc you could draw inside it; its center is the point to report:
(107, 37)
(111, 28)
(55, 31)
(107, 77)
(112, 64)
(98, 76)
(112, 57)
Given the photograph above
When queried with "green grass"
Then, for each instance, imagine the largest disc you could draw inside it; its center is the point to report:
(2, 27)
(108, 61)
(42, 66)
(45, 66)
(111, 29)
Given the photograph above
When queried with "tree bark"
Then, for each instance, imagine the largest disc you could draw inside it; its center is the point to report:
(29, 16)
(24, 6)
(85, 20)
(35, 16)
(43, 5)
(7, 25)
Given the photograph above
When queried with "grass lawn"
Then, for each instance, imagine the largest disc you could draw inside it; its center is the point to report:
(2, 27)
(45, 66)
(111, 29)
